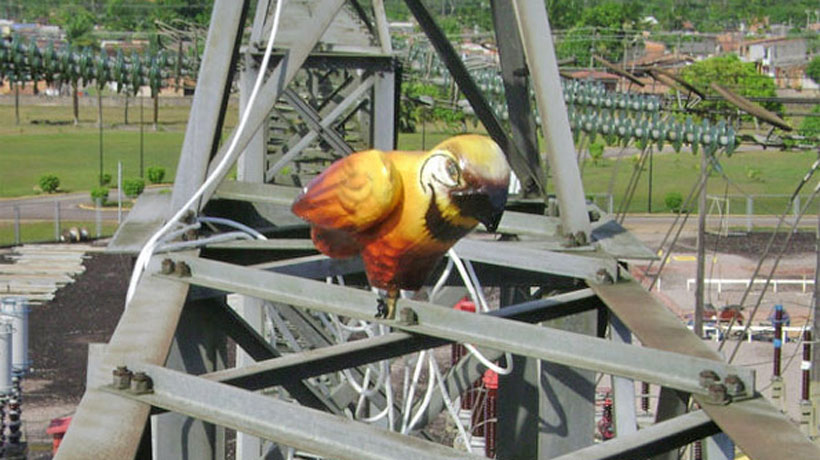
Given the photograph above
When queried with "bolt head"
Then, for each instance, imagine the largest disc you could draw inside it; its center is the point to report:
(167, 267)
(408, 316)
(708, 377)
(182, 270)
(734, 386)
(141, 383)
(718, 393)
(603, 277)
(121, 378)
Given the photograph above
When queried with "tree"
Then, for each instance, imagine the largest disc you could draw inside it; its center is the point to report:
(601, 30)
(77, 22)
(729, 71)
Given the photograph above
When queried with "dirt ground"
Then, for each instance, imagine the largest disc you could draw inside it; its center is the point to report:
(87, 311)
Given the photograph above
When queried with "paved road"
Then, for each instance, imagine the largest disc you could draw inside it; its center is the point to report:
(636, 221)
(44, 207)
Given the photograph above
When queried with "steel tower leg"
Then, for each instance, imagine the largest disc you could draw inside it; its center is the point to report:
(198, 347)
(516, 83)
(566, 410)
(251, 168)
(623, 389)
(208, 108)
(537, 39)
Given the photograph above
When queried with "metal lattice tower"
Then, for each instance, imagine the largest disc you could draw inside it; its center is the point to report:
(333, 66)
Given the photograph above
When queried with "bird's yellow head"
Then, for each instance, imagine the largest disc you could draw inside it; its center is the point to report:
(468, 175)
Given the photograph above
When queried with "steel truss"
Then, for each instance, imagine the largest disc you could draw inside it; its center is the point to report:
(161, 385)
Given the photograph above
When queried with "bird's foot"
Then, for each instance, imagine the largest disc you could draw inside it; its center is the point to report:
(381, 308)
(386, 308)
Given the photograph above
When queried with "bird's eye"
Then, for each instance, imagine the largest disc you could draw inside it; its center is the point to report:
(453, 170)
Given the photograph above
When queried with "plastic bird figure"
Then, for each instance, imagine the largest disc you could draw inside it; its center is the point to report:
(402, 211)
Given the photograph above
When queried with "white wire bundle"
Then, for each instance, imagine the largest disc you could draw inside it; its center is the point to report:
(377, 376)
(150, 246)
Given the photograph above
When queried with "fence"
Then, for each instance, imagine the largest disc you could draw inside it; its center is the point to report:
(720, 282)
(719, 205)
(58, 220)
(751, 205)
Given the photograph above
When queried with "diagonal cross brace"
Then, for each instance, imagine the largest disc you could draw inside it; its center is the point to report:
(316, 123)
(325, 124)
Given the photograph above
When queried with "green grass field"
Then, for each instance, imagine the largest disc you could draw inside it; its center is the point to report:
(778, 173)
(34, 148)
(29, 150)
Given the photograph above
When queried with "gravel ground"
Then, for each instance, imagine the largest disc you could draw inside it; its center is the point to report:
(82, 312)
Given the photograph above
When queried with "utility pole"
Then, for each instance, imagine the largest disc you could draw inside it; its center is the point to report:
(699, 287)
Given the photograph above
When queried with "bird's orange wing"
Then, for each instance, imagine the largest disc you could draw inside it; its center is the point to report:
(353, 194)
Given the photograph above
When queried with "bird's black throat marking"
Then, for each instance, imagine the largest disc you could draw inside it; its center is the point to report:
(439, 227)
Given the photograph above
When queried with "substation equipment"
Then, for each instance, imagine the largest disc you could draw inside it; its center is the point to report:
(160, 385)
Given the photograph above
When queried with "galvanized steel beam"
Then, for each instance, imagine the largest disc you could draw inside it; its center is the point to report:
(528, 258)
(745, 422)
(260, 350)
(660, 437)
(325, 123)
(285, 423)
(536, 37)
(107, 426)
(516, 82)
(669, 369)
(314, 121)
(207, 113)
(623, 390)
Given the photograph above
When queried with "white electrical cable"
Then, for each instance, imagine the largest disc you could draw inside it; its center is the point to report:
(442, 279)
(218, 238)
(147, 251)
(451, 253)
(408, 401)
(485, 306)
(473, 289)
(428, 396)
(449, 404)
(232, 223)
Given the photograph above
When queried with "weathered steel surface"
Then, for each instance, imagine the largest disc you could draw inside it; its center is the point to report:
(105, 425)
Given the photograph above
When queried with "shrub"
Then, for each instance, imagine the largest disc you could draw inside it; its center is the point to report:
(49, 183)
(156, 174)
(106, 179)
(133, 187)
(100, 193)
(596, 152)
(673, 201)
(754, 174)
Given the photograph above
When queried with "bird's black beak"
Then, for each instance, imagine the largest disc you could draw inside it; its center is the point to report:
(485, 203)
